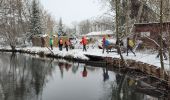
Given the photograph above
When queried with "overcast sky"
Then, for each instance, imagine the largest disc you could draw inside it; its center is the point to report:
(73, 10)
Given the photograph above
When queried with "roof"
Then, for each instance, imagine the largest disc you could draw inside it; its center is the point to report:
(107, 32)
(151, 23)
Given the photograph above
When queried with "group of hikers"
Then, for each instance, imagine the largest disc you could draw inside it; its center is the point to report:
(60, 44)
(68, 43)
(131, 46)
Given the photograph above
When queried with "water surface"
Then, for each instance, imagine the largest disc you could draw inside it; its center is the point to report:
(24, 77)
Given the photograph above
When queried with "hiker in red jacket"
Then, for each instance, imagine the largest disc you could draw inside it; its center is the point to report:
(84, 42)
(84, 73)
(60, 43)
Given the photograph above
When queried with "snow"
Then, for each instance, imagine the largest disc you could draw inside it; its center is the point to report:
(74, 53)
(44, 35)
(107, 32)
(143, 56)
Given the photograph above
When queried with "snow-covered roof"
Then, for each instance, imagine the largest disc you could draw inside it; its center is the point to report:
(44, 35)
(151, 23)
(107, 32)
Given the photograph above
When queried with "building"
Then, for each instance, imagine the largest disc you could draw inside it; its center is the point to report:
(44, 40)
(151, 30)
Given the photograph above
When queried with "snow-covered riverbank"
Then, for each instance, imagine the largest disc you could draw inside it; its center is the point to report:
(143, 56)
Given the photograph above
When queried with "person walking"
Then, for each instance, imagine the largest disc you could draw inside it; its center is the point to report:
(51, 43)
(66, 44)
(84, 42)
(130, 45)
(42, 42)
(138, 45)
(164, 49)
(105, 74)
(60, 44)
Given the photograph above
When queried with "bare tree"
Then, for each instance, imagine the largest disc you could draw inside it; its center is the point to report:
(15, 21)
(11, 21)
(48, 23)
(84, 27)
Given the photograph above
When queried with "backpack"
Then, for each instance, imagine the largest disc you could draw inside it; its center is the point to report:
(67, 43)
(107, 42)
(131, 43)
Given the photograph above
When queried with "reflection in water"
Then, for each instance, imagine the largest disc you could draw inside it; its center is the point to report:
(61, 66)
(75, 68)
(22, 77)
(105, 74)
(28, 78)
(127, 89)
(84, 73)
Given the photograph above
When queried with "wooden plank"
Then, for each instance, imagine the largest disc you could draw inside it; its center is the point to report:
(153, 70)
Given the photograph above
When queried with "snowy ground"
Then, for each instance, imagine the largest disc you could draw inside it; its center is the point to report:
(143, 56)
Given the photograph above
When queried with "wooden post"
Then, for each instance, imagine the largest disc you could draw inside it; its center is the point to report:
(168, 80)
(161, 73)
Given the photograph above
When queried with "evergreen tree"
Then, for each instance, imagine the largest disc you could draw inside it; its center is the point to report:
(60, 28)
(35, 19)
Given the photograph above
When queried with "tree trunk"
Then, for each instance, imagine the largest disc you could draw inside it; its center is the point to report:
(117, 2)
(161, 56)
(13, 47)
(117, 19)
(127, 17)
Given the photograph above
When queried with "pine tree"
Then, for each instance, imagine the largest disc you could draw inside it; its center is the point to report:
(60, 28)
(35, 19)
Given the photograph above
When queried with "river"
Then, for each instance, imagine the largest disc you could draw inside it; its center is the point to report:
(26, 77)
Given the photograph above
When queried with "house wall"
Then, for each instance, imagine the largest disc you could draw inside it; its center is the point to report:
(38, 41)
(154, 30)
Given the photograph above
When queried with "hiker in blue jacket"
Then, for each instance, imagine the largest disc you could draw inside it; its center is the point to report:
(107, 43)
